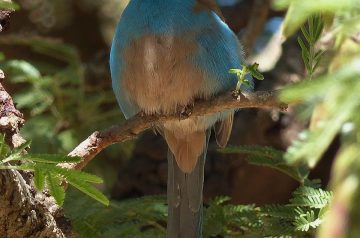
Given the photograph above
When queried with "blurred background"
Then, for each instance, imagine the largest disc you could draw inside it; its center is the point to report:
(55, 54)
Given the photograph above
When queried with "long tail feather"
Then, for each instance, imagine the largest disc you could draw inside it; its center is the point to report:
(185, 198)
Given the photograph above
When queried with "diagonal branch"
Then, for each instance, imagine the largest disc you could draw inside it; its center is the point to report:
(99, 140)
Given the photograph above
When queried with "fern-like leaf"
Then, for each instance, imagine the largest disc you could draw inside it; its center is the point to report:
(56, 190)
(39, 179)
(310, 197)
(306, 220)
(270, 157)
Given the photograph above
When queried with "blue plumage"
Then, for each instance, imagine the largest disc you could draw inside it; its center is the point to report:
(165, 54)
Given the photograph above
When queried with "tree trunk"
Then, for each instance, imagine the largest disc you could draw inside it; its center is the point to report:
(24, 212)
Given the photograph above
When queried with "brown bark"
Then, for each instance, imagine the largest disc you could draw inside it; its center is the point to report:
(24, 212)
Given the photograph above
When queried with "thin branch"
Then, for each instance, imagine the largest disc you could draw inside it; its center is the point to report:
(98, 141)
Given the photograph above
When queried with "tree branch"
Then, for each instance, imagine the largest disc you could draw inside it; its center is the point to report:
(98, 141)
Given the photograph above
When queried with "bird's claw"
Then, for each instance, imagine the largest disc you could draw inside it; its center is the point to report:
(185, 111)
(236, 94)
(142, 114)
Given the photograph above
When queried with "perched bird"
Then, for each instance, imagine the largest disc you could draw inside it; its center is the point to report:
(166, 54)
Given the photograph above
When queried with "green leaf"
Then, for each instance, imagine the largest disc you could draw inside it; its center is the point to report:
(79, 175)
(4, 148)
(311, 29)
(9, 5)
(46, 46)
(311, 197)
(21, 148)
(37, 100)
(55, 187)
(257, 75)
(306, 220)
(2, 56)
(300, 10)
(304, 48)
(22, 71)
(305, 53)
(317, 58)
(253, 150)
(279, 211)
(88, 189)
(255, 72)
(267, 156)
(247, 83)
(52, 158)
(305, 34)
(307, 90)
(39, 179)
(25, 167)
(311, 148)
(234, 71)
(319, 28)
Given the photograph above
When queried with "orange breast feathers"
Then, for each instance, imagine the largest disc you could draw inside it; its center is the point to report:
(158, 74)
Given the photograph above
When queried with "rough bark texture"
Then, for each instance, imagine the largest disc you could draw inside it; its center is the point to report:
(24, 213)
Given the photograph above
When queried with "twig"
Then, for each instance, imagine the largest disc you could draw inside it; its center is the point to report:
(98, 141)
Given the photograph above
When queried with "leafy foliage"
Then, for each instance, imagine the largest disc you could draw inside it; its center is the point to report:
(143, 217)
(311, 197)
(47, 172)
(300, 11)
(334, 96)
(305, 211)
(146, 217)
(242, 73)
(310, 55)
(63, 105)
(340, 102)
(8, 5)
(270, 157)
(58, 92)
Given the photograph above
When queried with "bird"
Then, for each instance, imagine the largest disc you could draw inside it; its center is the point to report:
(165, 55)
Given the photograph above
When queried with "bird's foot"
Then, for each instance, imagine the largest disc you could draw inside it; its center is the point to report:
(149, 115)
(142, 114)
(185, 111)
(237, 94)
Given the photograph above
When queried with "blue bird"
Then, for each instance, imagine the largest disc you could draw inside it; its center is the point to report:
(166, 54)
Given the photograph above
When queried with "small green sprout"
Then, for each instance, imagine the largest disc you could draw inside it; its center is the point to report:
(312, 33)
(241, 74)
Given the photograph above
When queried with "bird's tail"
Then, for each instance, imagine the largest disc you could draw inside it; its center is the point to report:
(185, 197)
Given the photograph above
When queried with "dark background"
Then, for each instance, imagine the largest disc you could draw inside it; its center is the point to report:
(72, 97)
